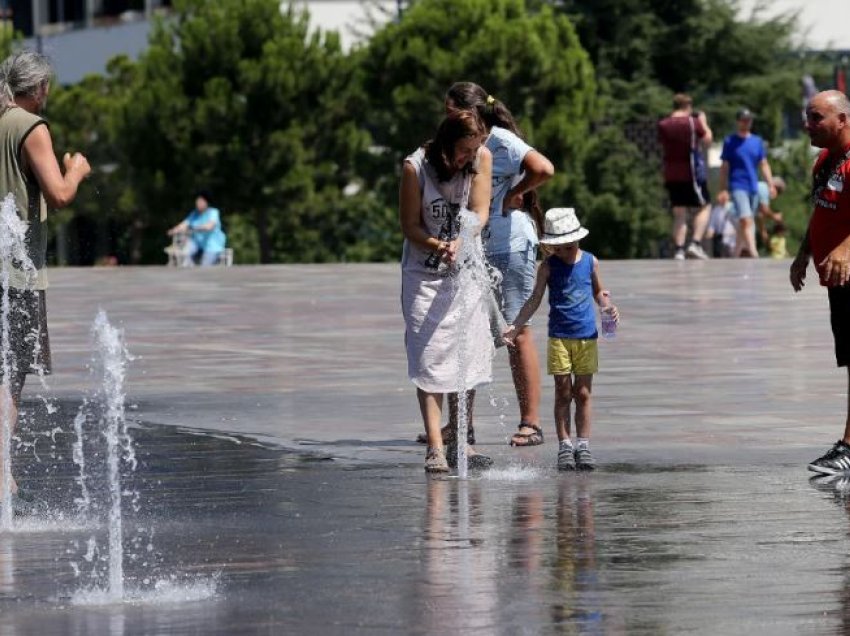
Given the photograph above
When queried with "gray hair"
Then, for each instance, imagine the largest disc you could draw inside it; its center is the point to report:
(22, 74)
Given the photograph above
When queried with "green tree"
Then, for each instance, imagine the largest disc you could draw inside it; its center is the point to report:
(698, 46)
(101, 219)
(240, 97)
(620, 198)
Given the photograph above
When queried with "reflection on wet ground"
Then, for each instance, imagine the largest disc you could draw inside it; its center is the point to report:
(228, 536)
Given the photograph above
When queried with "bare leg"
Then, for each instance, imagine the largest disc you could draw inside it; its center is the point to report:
(762, 226)
(746, 239)
(452, 425)
(581, 394)
(12, 397)
(470, 403)
(525, 368)
(680, 226)
(431, 406)
(563, 397)
(700, 223)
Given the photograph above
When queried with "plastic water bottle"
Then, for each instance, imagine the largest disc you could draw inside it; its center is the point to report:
(609, 323)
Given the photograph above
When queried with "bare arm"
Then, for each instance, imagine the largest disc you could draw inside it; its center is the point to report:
(180, 228)
(723, 184)
(835, 268)
(600, 294)
(410, 212)
(800, 264)
(482, 183)
(764, 168)
(206, 227)
(59, 190)
(709, 136)
(538, 170)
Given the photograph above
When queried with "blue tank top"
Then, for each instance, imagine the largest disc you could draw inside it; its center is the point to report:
(572, 310)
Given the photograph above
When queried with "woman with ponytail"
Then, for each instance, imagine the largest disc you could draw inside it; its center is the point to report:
(511, 237)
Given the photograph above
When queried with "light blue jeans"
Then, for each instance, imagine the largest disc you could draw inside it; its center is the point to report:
(744, 204)
(201, 257)
(518, 274)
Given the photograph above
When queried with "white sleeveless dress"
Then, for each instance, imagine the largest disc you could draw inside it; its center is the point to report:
(447, 336)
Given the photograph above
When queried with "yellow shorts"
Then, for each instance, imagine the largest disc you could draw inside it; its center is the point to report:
(565, 356)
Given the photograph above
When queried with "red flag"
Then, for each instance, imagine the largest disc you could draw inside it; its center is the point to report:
(841, 79)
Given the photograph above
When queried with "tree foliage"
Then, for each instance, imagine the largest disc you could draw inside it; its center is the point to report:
(301, 143)
(83, 118)
(240, 97)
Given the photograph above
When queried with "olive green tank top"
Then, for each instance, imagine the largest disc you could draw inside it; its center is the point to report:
(15, 125)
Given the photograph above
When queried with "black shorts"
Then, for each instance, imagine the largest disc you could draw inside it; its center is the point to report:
(28, 333)
(683, 194)
(839, 316)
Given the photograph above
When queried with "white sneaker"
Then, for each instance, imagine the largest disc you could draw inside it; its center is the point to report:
(679, 255)
(695, 251)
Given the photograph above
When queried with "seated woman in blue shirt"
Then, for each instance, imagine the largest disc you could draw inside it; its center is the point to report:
(206, 239)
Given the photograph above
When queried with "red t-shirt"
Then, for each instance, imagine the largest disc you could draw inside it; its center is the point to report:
(674, 133)
(830, 223)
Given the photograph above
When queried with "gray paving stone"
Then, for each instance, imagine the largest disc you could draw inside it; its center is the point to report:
(718, 389)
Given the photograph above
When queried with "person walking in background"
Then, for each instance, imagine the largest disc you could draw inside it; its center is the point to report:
(206, 241)
(511, 238)
(743, 157)
(827, 240)
(30, 172)
(572, 276)
(683, 135)
(447, 174)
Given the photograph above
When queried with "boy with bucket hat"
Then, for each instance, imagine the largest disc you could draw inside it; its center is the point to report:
(572, 276)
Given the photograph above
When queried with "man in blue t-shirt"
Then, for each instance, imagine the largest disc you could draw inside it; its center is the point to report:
(206, 239)
(743, 158)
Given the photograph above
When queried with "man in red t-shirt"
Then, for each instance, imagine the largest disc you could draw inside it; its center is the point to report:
(827, 240)
(679, 133)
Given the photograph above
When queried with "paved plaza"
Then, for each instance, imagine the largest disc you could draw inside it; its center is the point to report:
(279, 490)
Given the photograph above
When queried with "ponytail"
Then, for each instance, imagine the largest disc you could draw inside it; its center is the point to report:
(469, 95)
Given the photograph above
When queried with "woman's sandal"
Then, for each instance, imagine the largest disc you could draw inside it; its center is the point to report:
(531, 439)
(448, 435)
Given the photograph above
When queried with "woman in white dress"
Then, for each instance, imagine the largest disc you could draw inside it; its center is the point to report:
(447, 334)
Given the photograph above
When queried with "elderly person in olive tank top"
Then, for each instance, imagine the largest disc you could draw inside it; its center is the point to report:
(30, 173)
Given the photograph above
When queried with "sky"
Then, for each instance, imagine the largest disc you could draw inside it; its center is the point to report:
(824, 24)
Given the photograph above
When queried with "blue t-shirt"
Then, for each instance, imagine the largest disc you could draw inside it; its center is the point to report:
(572, 311)
(744, 155)
(512, 232)
(208, 240)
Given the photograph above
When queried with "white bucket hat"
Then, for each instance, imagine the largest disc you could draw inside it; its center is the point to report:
(561, 226)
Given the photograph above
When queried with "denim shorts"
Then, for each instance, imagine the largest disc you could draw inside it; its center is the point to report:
(744, 204)
(518, 273)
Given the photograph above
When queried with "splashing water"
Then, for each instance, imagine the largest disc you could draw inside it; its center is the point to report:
(475, 287)
(84, 500)
(113, 357)
(15, 268)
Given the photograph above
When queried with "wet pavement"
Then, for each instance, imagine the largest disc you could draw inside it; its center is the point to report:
(279, 491)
